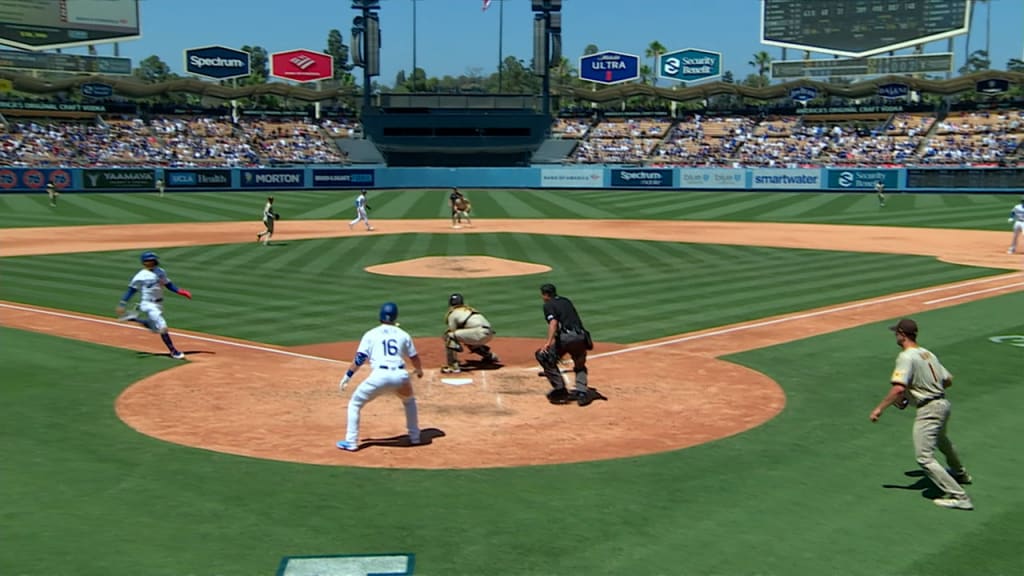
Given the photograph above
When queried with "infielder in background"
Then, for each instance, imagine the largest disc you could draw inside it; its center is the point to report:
(149, 283)
(51, 191)
(460, 207)
(880, 192)
(1017, 217)
(361, 208)
(386, 348)
(468, 326)
(920, 378)
(160, 186)
(566, 335)
(269, 217)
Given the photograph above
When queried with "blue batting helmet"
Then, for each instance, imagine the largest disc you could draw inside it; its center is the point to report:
(389, 312)
(148, 256)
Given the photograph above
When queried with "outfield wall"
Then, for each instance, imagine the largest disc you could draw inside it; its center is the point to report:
(983, 180)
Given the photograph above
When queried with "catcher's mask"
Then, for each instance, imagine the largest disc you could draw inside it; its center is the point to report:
(455, 299)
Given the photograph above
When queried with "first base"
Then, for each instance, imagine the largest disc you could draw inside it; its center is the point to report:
(457, 381)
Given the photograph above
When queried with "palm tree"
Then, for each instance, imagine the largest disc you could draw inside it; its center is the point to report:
(763, 62)
(654, 49)
(645, 73)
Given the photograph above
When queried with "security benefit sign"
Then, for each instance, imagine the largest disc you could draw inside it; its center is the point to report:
(198, 178)
(119, 179)
(217, 62)
(609, 67)
(283, 178)
(859, 179)
(641, 178)
(343, 178)
(690, 65)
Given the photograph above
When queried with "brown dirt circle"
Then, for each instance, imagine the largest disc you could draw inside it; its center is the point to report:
(276, 403)
(458, 267)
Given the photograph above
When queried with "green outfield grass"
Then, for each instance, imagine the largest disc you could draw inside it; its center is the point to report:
(980, 211)
(800, 495)
(302, 292)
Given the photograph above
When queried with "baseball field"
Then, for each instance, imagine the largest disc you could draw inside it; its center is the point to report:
(742, 343)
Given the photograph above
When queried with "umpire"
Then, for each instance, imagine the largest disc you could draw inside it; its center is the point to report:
(566, 335)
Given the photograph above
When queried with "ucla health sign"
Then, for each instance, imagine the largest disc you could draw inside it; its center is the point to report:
(283, 178)
(609, 67)
(217, 62)
(861, 179)
(690, 65)
(713, 178)
(642, 178)
(343, 178)
(786, 179)
(211, 178)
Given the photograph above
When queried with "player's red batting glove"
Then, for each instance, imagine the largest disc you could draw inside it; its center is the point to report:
(185, 293)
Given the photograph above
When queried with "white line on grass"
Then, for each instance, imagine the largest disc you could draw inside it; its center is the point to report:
(968, 294)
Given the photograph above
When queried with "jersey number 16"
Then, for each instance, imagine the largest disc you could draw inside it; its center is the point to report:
(391, 347)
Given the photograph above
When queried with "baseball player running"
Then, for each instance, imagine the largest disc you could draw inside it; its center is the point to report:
(468, 326)
(149, 283)
(920, 378)
(51, 191)
(1017, 217)
(269, 216)
(386, 347)
(361, 208)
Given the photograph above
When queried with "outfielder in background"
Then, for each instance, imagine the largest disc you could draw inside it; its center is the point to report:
(920, 378)
(361, 208)
(150, 282)
(269, 217)
(1017, 217)
(160, 186)
(386, 348)
(460, 206)
(566, 335)
(466, 325)
(51, 192)
(880, 193)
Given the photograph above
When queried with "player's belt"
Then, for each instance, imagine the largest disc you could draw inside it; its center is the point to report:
(384, 367)
(158, 300)
(923, 403)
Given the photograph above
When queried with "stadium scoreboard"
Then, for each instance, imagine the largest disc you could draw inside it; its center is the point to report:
(946, 178)
(861, 27)
(46, 24)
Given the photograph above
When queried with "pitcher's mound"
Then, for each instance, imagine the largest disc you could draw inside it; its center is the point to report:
(458, 267)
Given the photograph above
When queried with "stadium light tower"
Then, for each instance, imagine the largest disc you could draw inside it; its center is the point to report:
(366, 43)
(547, 44)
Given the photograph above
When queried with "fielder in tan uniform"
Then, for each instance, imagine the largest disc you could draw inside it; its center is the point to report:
(468, 326)
(919, 378)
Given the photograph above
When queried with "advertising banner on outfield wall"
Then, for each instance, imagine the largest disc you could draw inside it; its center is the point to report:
(786, 179)
(713, 178)
(275, 178)
(641, 178)
(28, 179)
(343, 178)
(572, 177)
(860, 179)
(197, 178)
(119, 179)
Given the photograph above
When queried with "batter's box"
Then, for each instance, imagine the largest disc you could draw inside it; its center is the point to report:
(348, 565)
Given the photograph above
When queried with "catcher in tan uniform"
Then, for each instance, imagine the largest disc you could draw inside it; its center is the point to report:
(461, 206)
(468, 326)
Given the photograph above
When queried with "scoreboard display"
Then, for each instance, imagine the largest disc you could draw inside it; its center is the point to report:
(861, 27)
(943, 178)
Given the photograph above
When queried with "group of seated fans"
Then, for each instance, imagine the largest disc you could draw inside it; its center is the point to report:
(984, 137)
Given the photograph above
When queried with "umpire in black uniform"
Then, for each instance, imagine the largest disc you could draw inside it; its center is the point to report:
(566, 335)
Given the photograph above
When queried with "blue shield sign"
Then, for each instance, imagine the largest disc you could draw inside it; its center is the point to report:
(217, 62)
(97, 90)
(609, 67)
(803, 93)
(690, 65)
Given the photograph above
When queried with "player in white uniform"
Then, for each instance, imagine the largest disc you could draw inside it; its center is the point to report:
(149, 283)
(386, 347)
(1017, 217)
(361, 209)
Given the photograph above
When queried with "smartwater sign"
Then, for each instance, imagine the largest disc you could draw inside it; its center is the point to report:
(217, 62)
(786, 179)
(861, 179)
(609, 67)
(273, 178)
(690, 65)
(343, 178)
(198, 178)
(641, 178)
(571, 177)
(713, 178)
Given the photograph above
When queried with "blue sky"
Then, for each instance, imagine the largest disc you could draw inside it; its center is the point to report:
(454, 36)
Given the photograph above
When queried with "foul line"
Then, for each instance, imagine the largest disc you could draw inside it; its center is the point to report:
(805, 315)
(966, 294)
(176, 334)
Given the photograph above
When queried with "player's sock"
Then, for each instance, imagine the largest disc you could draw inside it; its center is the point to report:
(167, 342)
(412, 419)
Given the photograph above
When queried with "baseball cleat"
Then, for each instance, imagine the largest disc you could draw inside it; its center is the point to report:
(178, 355)
(347, 446)
(962, 477)
(450, 369)
(415, 441)
(962, 503)
(128, 316)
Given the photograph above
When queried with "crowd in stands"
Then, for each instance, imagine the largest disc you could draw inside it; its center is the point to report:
(879, 139)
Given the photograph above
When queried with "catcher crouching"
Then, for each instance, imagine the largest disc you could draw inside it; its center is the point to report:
(466, 326)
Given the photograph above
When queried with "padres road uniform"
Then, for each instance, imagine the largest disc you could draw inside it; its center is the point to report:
(468, 326)
(880, 193)
(1017, 217)
(386, 348)
(458, 204)
(160, 186)
(51, 191)
(268, 222)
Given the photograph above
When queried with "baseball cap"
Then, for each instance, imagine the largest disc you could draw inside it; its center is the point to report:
(905, 325)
